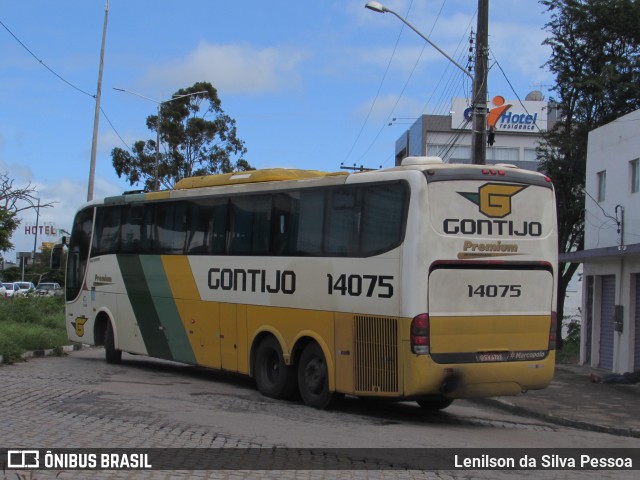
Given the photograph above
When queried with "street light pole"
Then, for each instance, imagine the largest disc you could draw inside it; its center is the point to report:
(479, 95)
(96, 117)
(158, 123)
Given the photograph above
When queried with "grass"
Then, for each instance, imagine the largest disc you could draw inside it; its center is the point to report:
(30, 323)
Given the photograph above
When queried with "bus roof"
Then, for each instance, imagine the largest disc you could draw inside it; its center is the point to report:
(251, 176)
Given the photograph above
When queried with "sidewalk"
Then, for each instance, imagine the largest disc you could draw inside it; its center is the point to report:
(573, 400)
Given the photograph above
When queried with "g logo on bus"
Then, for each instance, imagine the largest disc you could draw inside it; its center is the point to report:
(494, 199)
(79, 325)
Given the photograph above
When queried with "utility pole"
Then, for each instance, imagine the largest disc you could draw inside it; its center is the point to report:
(96, 118)
(479, 97)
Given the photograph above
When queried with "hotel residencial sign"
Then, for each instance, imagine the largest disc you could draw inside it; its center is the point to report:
(516, 116)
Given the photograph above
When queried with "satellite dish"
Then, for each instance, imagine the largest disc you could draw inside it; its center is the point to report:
(535, 96)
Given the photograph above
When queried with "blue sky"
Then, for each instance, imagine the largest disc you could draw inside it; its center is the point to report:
(310, 84)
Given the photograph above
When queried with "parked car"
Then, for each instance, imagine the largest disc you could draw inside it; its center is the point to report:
(24, 288)
(10, 288)
(3, 290)
(48, 289)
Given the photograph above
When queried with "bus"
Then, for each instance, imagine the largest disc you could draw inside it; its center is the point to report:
(425, 282)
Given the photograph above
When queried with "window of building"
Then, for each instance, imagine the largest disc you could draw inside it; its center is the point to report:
(635, 175)
(530, 155)
(501, 154)
(602, 185)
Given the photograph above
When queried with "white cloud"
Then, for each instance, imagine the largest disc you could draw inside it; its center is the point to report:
(386, 105)
(233, 68)
(519, 47)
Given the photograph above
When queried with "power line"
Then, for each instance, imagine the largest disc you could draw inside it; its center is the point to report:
(41, 62)
(404, 86)
(384, 76)
(44, 64)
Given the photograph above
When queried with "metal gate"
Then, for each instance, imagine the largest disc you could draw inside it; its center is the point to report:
(607, 302)
(637, 322)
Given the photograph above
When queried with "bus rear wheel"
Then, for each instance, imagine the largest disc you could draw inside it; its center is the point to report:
(112, 355)
(435, 403)
(313, 378)
(274, 378)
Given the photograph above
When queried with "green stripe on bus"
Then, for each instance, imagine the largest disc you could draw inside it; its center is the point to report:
(166, 309)
(137, 286)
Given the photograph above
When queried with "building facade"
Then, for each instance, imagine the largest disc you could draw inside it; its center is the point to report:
(516, 127)
(610, 331)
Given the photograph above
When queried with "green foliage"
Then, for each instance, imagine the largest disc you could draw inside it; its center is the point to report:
(570, 352)
(31, 323)
(596, 61)
(196, 138)
(8, 224)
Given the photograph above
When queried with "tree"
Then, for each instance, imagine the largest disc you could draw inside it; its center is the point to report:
(12, 202)
(196, 138)
(596, 60)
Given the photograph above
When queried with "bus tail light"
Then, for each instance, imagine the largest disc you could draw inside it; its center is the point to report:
(552, 331)
(420, 341)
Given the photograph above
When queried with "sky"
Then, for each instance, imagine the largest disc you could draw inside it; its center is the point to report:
(310, 84)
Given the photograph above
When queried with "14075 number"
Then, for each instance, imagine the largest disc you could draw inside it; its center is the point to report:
(495, 291)
(357, 285)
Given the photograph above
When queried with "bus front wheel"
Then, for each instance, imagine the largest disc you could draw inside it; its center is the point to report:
(313, 377)
(112, 355)
(274, 378)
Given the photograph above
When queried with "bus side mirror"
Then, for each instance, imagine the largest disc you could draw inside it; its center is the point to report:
(56, 255)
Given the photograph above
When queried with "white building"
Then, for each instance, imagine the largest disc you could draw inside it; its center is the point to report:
(610, 332)
(517, 126)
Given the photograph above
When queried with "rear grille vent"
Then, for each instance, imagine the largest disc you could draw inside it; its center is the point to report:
(376, 354)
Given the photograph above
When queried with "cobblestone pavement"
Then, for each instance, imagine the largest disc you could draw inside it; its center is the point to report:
(79, 401)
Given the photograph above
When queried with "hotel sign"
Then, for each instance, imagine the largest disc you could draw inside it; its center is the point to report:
(516, 116)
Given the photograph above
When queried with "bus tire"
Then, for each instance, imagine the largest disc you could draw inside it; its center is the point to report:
(435, 403)
(274, 378)
(313, 378)
(111, 354)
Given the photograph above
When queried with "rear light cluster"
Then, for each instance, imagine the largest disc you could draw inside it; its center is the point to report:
(420, 341)
(552, 331)
(491, 171)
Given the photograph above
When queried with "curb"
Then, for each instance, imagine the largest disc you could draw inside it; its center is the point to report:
(565, 422)
(56, 351)
(52, 351)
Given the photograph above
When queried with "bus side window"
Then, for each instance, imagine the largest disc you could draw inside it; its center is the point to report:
(343, 223)
(286, 210)
(107, 238)
(249, 230)
(131, 239)
(383, 218)
(170, 230)
(207, 226)
(310, 223)
(200, 214)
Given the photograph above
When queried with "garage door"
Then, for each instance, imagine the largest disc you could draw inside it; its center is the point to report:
(607, 302)
(589, 317)
(637, 342)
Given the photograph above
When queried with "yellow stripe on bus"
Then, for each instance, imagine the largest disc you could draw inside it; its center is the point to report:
(200, 319)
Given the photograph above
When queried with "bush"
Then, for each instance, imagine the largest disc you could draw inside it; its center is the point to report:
(570, 351)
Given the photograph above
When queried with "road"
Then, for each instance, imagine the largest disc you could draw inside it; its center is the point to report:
(79, 401)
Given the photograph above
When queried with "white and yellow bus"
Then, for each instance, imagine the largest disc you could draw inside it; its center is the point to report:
(426, 281)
